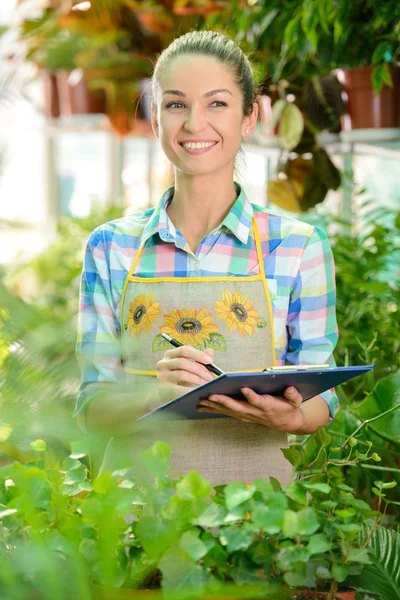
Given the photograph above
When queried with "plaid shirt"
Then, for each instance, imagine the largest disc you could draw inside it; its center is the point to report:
(298, 265)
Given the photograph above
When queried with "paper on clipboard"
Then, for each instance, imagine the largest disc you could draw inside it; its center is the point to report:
(309, 382)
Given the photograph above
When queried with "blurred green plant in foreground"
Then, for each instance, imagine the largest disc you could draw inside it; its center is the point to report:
(66, 536)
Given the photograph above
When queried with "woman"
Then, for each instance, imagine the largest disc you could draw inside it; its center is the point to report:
(228, 279)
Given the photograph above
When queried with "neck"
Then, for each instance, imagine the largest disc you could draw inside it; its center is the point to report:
(200, 204)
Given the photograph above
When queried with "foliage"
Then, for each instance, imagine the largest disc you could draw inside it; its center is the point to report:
(51, 279)
(64, 532)
(368, 295)
(302, 38)
(38, 368)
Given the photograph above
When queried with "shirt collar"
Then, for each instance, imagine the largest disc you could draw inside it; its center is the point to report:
(237, 221)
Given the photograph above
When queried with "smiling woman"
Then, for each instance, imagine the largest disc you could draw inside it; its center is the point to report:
(199, 267)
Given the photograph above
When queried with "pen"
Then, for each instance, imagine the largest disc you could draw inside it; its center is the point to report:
(211, 367)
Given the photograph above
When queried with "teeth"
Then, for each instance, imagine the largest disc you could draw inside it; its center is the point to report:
(197, 146)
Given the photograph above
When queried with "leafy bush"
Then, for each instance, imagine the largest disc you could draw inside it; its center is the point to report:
(64, 533)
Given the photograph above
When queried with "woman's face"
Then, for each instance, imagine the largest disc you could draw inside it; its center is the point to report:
(191, 110)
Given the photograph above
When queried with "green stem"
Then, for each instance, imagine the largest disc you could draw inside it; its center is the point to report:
(387, 412)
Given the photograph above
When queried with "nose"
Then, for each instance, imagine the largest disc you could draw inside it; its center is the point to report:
(196, 119)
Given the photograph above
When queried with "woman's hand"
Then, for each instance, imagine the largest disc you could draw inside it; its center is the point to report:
(181, 370)
(277, 412)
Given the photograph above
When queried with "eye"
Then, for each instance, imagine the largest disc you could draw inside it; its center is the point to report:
(173, 104)
(220, 103)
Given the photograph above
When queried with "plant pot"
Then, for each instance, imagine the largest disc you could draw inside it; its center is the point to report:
(365, 108)
(316, 595)
(51, 106)
(201, 9)
(76, 98)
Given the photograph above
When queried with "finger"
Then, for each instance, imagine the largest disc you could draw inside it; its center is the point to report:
(181, 377)
(293, 396)
(190, 353)
(219, 409)
(234, 406)
(260, 402)
(191, 366)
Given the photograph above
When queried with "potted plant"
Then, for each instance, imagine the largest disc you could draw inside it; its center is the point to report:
(310, 39)
(97, 52)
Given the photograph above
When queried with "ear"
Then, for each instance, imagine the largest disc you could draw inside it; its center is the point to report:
(154, 120)
(249, 123)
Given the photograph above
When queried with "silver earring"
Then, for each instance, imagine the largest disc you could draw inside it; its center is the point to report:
(247, 131)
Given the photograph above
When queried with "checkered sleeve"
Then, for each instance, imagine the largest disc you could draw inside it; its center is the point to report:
(98, 347)
(311, 324)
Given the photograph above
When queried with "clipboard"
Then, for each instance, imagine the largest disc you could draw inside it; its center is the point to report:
(308, 381)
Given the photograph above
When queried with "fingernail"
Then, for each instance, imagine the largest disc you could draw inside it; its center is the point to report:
(207, 358)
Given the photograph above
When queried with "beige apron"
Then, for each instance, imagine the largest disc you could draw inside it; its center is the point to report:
(232, 315)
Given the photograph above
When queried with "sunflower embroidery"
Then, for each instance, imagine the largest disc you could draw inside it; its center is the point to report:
(189, 326)
(238, 312)
(142, 312)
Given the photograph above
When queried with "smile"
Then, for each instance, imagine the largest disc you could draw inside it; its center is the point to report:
(198, 148)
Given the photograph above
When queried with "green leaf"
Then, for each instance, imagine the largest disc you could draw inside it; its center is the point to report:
(288, 558)
(243, 572)
(267, 19)
(76, 475)
(322, 437)
(381, 76)
(290, 526)
(268, 518)
(193, 486)
(159, 344)
(340, 572)
(104, 483)
(291, 126)
(359, 555)
(291, 32)
(293, 455)
(79, 449)
(295, 491)
(156, 458)
(345, 513)
(319, 543)
(76, 488)
(156, 535)
(236, 493)
(237, 514)
(216, 342)
(324, 488)
(382, 576)
(261, 323)
(38, 446)
(307, 521)
(264, 487)
(182, 577)
(381, 485)
(213, 516)
(193, 546)
(387, 394)
(235, 538)
(87, 548)
(69, 464)
(382, 51)
(297, 576)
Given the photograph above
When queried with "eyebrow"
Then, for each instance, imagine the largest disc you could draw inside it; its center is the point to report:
(206, 95)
